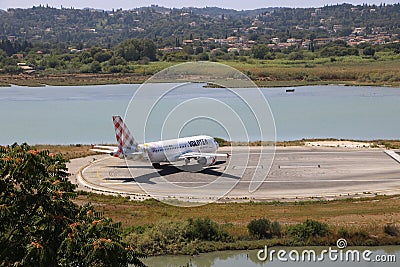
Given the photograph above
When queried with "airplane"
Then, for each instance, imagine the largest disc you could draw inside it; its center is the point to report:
(201, 148)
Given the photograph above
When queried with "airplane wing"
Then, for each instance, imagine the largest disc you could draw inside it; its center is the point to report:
(105, 147)
(102, 150)
(191, 155)
(136, 153)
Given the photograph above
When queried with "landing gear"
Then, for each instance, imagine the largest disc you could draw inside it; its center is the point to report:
(156, 165)
(187, 161)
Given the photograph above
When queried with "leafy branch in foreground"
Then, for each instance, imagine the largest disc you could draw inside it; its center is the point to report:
(40, 225)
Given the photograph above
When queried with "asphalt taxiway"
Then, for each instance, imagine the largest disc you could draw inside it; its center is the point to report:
(295, 173)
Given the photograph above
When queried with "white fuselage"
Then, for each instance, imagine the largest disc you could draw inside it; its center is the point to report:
(169, 150)
(200, 148)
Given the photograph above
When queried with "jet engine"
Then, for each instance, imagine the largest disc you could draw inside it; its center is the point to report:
(206, 161)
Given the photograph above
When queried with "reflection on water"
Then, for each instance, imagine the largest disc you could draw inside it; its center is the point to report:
(249, 258)
(82, 114)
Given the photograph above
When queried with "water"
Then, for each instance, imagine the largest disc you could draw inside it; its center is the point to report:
(82, 114)
(364, 113)
(61, 115)
(249, 258)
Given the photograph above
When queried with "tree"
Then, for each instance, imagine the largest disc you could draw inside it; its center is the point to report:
(52, 62)
(338, 49)
(12, 69)
(3, 54)
(95, 67)
(85, 58)
(296, 55)
(309, 228)
(188, 50)
(198, 50)
(312, 38)
(92, 240)
(369, 51)
(276, 229)
(148, 49)
(259, 228)
(135, 49)
(259, 51)
(203, 56)
(206, 229)
(41, 226)
(102, 56)
(8, 47)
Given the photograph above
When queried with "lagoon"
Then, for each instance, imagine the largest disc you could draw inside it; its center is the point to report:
(249, 258)
(82, 114)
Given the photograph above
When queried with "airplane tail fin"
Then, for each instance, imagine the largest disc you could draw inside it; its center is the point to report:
(123, 135)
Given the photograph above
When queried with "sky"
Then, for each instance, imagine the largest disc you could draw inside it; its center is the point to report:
(233, 4)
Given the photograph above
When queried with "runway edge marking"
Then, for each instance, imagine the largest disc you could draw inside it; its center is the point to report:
(81, 179)
(393, 155)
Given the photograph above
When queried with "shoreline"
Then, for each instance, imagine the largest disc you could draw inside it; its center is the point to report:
(70, 79)
(109, 79)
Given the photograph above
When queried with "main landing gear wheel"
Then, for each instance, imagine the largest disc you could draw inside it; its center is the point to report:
(156, 165)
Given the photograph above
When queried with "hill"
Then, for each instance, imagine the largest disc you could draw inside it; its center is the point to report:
(99, 27)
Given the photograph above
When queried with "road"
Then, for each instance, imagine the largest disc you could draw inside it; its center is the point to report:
(295, 173)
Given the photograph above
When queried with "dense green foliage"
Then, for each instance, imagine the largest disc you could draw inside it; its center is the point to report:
(47, 40)
(41, 226)
(60, 59)
(171, 26)
(134, 50)
(307, 229)
(204, 235)
(132, 56)
(264, 228)
(176, 237)
(9, 48)
(259, 228)
(338, 49)
(94, 27)
(205, 229)
(222, 142)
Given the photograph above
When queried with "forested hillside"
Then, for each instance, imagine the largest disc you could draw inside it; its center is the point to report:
(106, 28)
(43, 41)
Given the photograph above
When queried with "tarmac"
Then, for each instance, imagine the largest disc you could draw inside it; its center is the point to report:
(291, 173)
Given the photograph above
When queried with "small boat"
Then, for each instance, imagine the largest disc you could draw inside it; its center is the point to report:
(289, 90)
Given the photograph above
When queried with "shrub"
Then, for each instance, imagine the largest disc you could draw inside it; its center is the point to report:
(307, 229)
(205, 229)
(222, 142)
(175, 237)
(276, 229)
(95, 67)
(163, 237)
(342, 232)
(391, 229)
(203, 56)
(259, 228)
(369, 51)
(296, 56)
